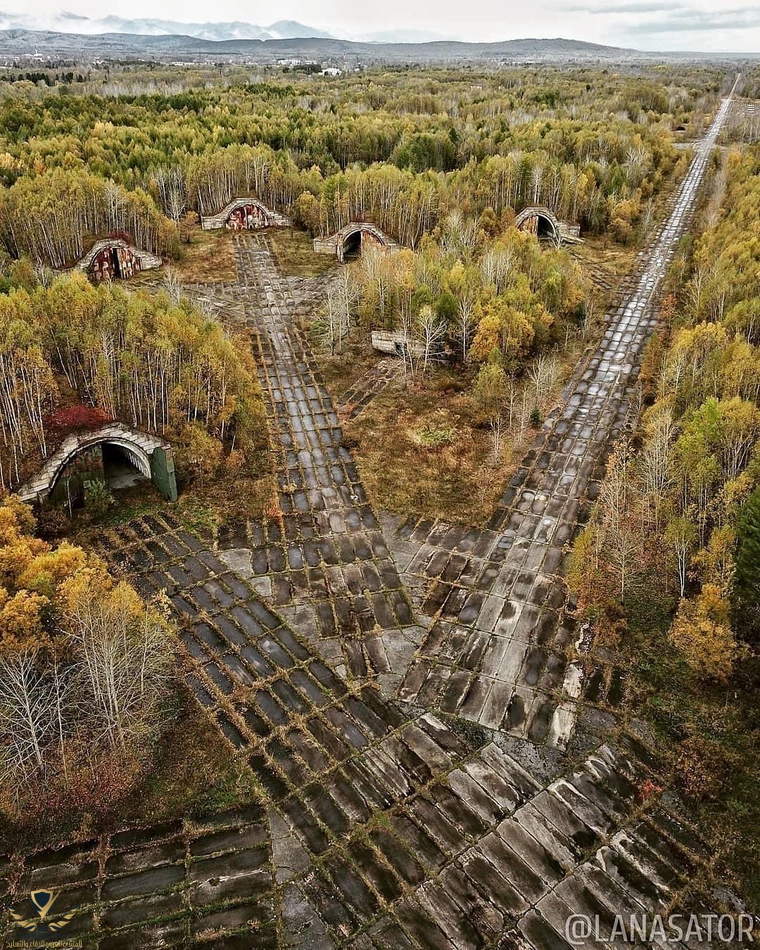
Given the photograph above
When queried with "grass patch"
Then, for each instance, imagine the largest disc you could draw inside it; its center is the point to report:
(200, 508)
(195, 772)
(605, 263)
(294, 254)
(236, 498)
(431, 437)
(131, 503)
(419, 451)
(339, 373)
(207, 258)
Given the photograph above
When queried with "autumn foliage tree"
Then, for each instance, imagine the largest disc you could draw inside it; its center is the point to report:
(702, 632)
(84, 662)
(502, 293)
(490, 395)
(153, 363)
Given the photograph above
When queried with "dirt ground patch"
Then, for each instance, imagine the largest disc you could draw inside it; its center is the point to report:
(604, 263)
(418, 450)
(208, 257)
(294, 254)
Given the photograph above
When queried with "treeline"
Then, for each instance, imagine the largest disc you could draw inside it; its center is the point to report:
(84, 670)
(146, 360)
(48, 78)
(430, 119)
(593, 147)
(55, 217)
(679, 513)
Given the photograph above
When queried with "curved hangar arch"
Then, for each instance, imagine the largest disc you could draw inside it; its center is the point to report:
(539, 221)
(148, 454)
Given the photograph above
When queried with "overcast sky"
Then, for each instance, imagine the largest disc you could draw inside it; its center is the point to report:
(710, 25)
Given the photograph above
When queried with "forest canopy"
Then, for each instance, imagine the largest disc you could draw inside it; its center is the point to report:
(84, 666)
(688, 497)
(593, 146)
(146, 360)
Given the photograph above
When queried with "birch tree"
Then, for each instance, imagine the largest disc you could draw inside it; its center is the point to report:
(622, 540)
(429, 334)
(682, 536)
(28, 705)
(122, 655)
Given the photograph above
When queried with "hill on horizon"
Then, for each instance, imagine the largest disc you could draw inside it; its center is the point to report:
(266, 50)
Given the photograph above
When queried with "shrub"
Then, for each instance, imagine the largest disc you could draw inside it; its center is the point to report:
(433, 438)
(75, 418)
(701, 631)
(702, 768)
(98, 497)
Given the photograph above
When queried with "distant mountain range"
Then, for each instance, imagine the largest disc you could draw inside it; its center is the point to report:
(215, 32)
(73, 23)
(40, 46)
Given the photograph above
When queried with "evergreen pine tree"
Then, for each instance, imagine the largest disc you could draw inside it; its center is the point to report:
(747, 578)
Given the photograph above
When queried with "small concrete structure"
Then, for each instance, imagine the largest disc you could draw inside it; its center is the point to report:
(396, 343)
(245, 214)
(353, 239)
(546, 225)
(149, 454)
(115, 259)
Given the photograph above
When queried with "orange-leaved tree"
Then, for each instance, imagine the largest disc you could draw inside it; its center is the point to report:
(83, 660)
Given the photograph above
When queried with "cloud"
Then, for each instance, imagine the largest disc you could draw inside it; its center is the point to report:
(676, 17)
(684, 19)
(624, 6)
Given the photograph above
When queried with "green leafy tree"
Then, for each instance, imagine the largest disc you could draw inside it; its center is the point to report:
(490, 395)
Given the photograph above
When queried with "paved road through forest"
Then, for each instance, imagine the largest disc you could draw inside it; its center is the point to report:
(495, 656)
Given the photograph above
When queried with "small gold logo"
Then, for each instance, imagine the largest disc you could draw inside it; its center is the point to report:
(43, 901)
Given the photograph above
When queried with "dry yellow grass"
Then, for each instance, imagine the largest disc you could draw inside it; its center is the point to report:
(292, 249)
(208, 257)
(419, 451)
(604, 263)
(342, 371)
